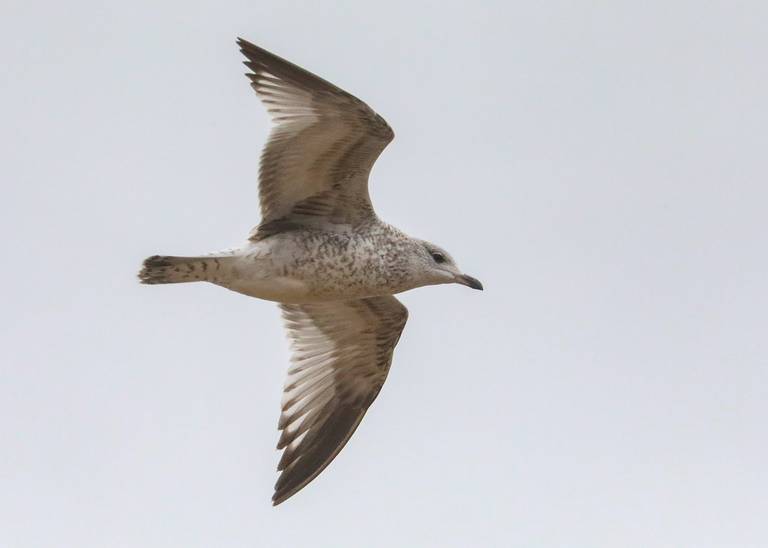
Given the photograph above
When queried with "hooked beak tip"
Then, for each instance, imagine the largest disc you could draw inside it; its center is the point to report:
(469, 281)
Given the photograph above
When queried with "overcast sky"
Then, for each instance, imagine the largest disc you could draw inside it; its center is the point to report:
(602, 167)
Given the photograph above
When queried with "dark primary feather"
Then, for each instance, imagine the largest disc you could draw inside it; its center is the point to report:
(342, 352)
(315, 166)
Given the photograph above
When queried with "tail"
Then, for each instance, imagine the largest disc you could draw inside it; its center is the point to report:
(162, 269)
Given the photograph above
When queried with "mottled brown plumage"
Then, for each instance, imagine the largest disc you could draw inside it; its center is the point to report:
(320, 251)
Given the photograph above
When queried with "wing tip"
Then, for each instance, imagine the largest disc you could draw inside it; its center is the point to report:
(247, 47)
(279, 498)
(283, 493)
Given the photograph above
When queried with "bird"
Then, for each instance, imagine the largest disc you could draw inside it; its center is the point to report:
(320, 252)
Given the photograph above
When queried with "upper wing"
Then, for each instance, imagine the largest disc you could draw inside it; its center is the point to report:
(341, 355)
(317, 160)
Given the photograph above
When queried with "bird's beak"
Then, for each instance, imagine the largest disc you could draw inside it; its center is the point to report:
(469, 281)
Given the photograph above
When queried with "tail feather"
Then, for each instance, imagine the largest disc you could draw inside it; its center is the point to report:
(165, 269)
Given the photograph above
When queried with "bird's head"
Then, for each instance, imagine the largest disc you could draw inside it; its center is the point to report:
(438, 267)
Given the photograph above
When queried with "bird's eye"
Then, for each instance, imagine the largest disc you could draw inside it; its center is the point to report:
(439, 258)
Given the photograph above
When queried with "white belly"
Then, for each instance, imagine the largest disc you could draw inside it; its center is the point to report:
(257, 271)
(278, 288)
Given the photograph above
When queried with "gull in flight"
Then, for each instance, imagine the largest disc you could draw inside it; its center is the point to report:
(321, 252)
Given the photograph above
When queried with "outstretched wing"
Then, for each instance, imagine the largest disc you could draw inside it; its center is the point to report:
(341, 356)
(315, 165)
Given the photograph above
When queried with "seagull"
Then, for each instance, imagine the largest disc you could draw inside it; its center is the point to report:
(321, 252)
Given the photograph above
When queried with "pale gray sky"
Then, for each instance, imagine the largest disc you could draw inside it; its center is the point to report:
(600, 166)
